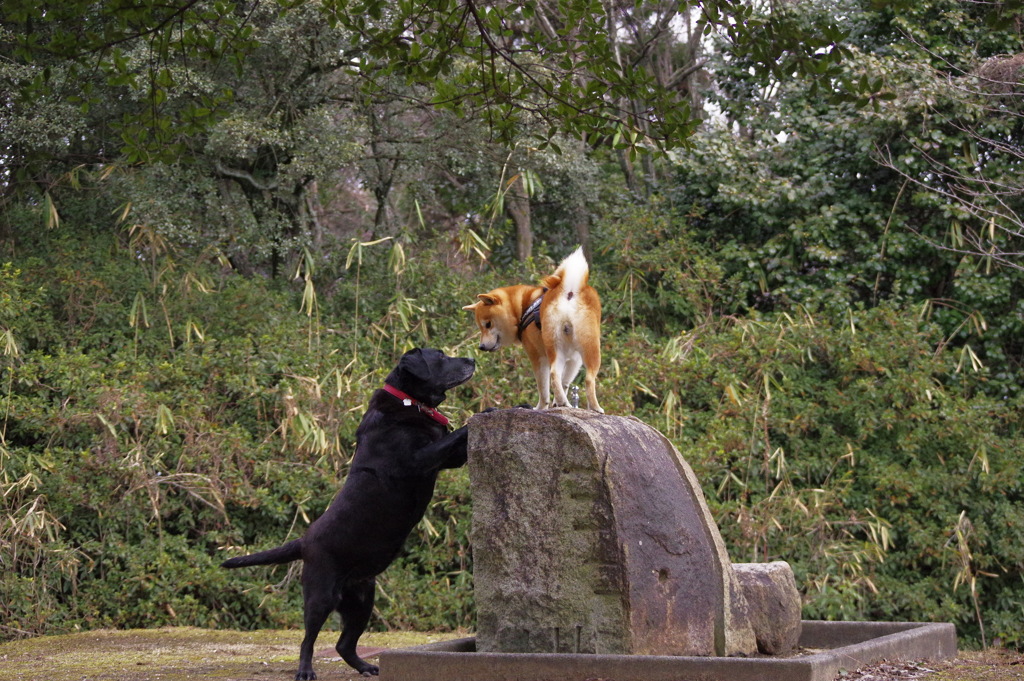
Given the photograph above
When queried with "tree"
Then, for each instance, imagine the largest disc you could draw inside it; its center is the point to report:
(511, 61)
(845, 198)
(973, 167)
(254, 104)
(253, 172)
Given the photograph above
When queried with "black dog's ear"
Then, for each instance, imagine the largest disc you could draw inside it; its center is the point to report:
(416, 364)
(417, 373)
(426, 373)
(401, 375)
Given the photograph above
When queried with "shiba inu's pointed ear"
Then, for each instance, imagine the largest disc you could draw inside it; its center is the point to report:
(471, 307)
(551, 281)
(487, 299)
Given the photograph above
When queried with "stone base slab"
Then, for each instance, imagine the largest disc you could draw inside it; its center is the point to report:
(829, 648)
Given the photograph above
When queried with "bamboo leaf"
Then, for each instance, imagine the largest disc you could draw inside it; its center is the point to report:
(309, 302)
(138, 316)
(164, 419)
(124, 210)
(50, 212)
(419, 213)
(10, 344)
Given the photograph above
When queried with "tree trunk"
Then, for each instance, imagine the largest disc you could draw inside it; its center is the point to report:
(629, 173)
(518, 205)
(313, 211)
(582, 225)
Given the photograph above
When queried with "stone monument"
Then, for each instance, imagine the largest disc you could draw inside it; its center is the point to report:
(591, 535)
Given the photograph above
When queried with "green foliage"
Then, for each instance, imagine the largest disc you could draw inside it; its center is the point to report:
(852, 449)
(223, 221)
(140, 446)
(831, 204)
(663, 278)
(510, 63)
(161, 414)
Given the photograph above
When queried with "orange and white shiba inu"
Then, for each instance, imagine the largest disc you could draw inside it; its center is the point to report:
(558, 323)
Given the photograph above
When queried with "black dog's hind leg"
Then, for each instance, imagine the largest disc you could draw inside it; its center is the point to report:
(356, 606)
(315, 616)
(317, 607)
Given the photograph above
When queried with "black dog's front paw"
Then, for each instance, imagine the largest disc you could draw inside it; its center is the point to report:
(305, 675)
(371, 670)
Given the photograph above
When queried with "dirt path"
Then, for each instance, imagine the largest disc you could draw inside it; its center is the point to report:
(174, 654)
(987, 665)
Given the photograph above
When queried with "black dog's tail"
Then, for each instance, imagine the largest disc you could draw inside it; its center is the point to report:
(285, 553)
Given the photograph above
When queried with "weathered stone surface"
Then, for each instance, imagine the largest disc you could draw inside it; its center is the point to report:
(774, 605)
(591, 534)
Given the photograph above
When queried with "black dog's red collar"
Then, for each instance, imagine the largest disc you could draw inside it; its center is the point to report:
(412, 401)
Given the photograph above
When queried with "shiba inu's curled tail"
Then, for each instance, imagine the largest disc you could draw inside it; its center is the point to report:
(285, 553)
(572, 274)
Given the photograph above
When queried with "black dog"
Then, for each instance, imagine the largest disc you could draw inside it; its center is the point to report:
(401, 444)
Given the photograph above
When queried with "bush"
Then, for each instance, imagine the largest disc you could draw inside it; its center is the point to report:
(159, 415)
(853, 449)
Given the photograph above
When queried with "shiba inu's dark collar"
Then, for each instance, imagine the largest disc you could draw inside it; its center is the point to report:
(530, 316)
(413, 402)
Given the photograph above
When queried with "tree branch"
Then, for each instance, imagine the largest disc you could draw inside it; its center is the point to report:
(244, 176)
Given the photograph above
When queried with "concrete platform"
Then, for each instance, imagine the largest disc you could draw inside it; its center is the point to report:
(829, 647)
